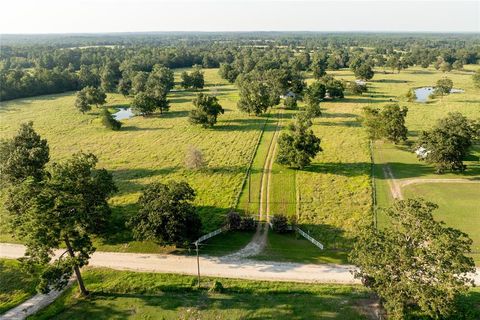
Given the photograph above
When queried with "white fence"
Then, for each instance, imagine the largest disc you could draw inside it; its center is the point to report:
(309, 238)
(209, 235)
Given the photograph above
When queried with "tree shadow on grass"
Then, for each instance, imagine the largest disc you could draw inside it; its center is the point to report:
(240, 300)
(344, 169)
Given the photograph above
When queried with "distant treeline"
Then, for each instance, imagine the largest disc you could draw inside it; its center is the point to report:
(45, 64)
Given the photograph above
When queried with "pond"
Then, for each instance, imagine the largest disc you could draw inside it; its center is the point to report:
(123, 113)
(423, 93)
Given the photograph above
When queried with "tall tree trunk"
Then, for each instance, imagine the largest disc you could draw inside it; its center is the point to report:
(76, 269)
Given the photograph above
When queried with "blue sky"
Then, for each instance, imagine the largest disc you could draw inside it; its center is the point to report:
(66, 16)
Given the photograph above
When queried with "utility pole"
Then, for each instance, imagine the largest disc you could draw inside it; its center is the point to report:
(198, 263)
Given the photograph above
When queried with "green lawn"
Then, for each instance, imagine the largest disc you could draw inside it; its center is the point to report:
(16, 285)
(292, 248)
(225, 243)
(128, 295)
(458, 207)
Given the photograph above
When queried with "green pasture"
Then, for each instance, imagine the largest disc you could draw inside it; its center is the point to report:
(148, 149)
(128, 295)
(16, 285)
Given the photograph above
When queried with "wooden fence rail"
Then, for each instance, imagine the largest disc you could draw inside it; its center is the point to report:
(309, 238)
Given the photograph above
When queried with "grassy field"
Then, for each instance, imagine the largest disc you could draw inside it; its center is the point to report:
(332, 197)
(148, 149)
(15, 285)
(458, 207)
(458, 203)
(128, 295)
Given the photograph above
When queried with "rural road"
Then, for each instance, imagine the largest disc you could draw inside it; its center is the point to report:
(209, 266)
(214, 266)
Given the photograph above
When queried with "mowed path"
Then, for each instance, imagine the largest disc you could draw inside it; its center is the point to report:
(396, 185)
(259, 240)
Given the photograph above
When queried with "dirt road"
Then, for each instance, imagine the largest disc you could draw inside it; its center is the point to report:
(209, 266)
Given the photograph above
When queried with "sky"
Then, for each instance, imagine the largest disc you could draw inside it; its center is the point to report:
(94, 16)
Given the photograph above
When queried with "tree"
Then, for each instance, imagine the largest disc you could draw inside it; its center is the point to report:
(88, 96)
(357, 88)
(476, 79)
(298, 144)
(87, 77)
(319, 65)
(290, 103)
(457, 65)
(393, 118)
(67, 207)
(416, 264)
(160, 81)
(107, 78)
(186, 80)
(143, 104)
(124, 86)
(445, 66)
(448, 142)
(166, 214)
(364, 72)
(334, 88)
(315, 93)
(206, 110)
(95, 96)
(196, 78)
(109, 121)
(443, 86)
(257, 93)
(388, 123)
(194, 158)
(25, 155)
(139, 82)
(81, 102)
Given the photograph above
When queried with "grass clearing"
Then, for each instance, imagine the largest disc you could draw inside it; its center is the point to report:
(291, 247)
(16, 285)
(128, 295)
(458, 207)
(458, 203)
(148, 149)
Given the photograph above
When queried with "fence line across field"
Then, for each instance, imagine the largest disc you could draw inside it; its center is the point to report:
(210, 235)
(309, 238)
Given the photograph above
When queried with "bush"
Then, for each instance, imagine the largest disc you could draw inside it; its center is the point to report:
(247, 224)
(280, 223)
(109, 121)
(217, 287)
(194, 159)
(233, 220)
(290, 103)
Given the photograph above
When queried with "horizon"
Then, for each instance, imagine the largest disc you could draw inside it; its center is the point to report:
(25, 17)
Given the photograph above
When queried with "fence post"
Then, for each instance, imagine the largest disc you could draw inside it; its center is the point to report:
(198, 263)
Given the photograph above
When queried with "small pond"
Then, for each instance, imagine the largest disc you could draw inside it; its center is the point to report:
(423, 93)
(123, 113)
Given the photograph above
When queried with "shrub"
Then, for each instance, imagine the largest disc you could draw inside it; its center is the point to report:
(247, 224)
(217, 287)
(280, 223)
(290, 103)
(109, 121)
(233, 220)
(194, 158)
